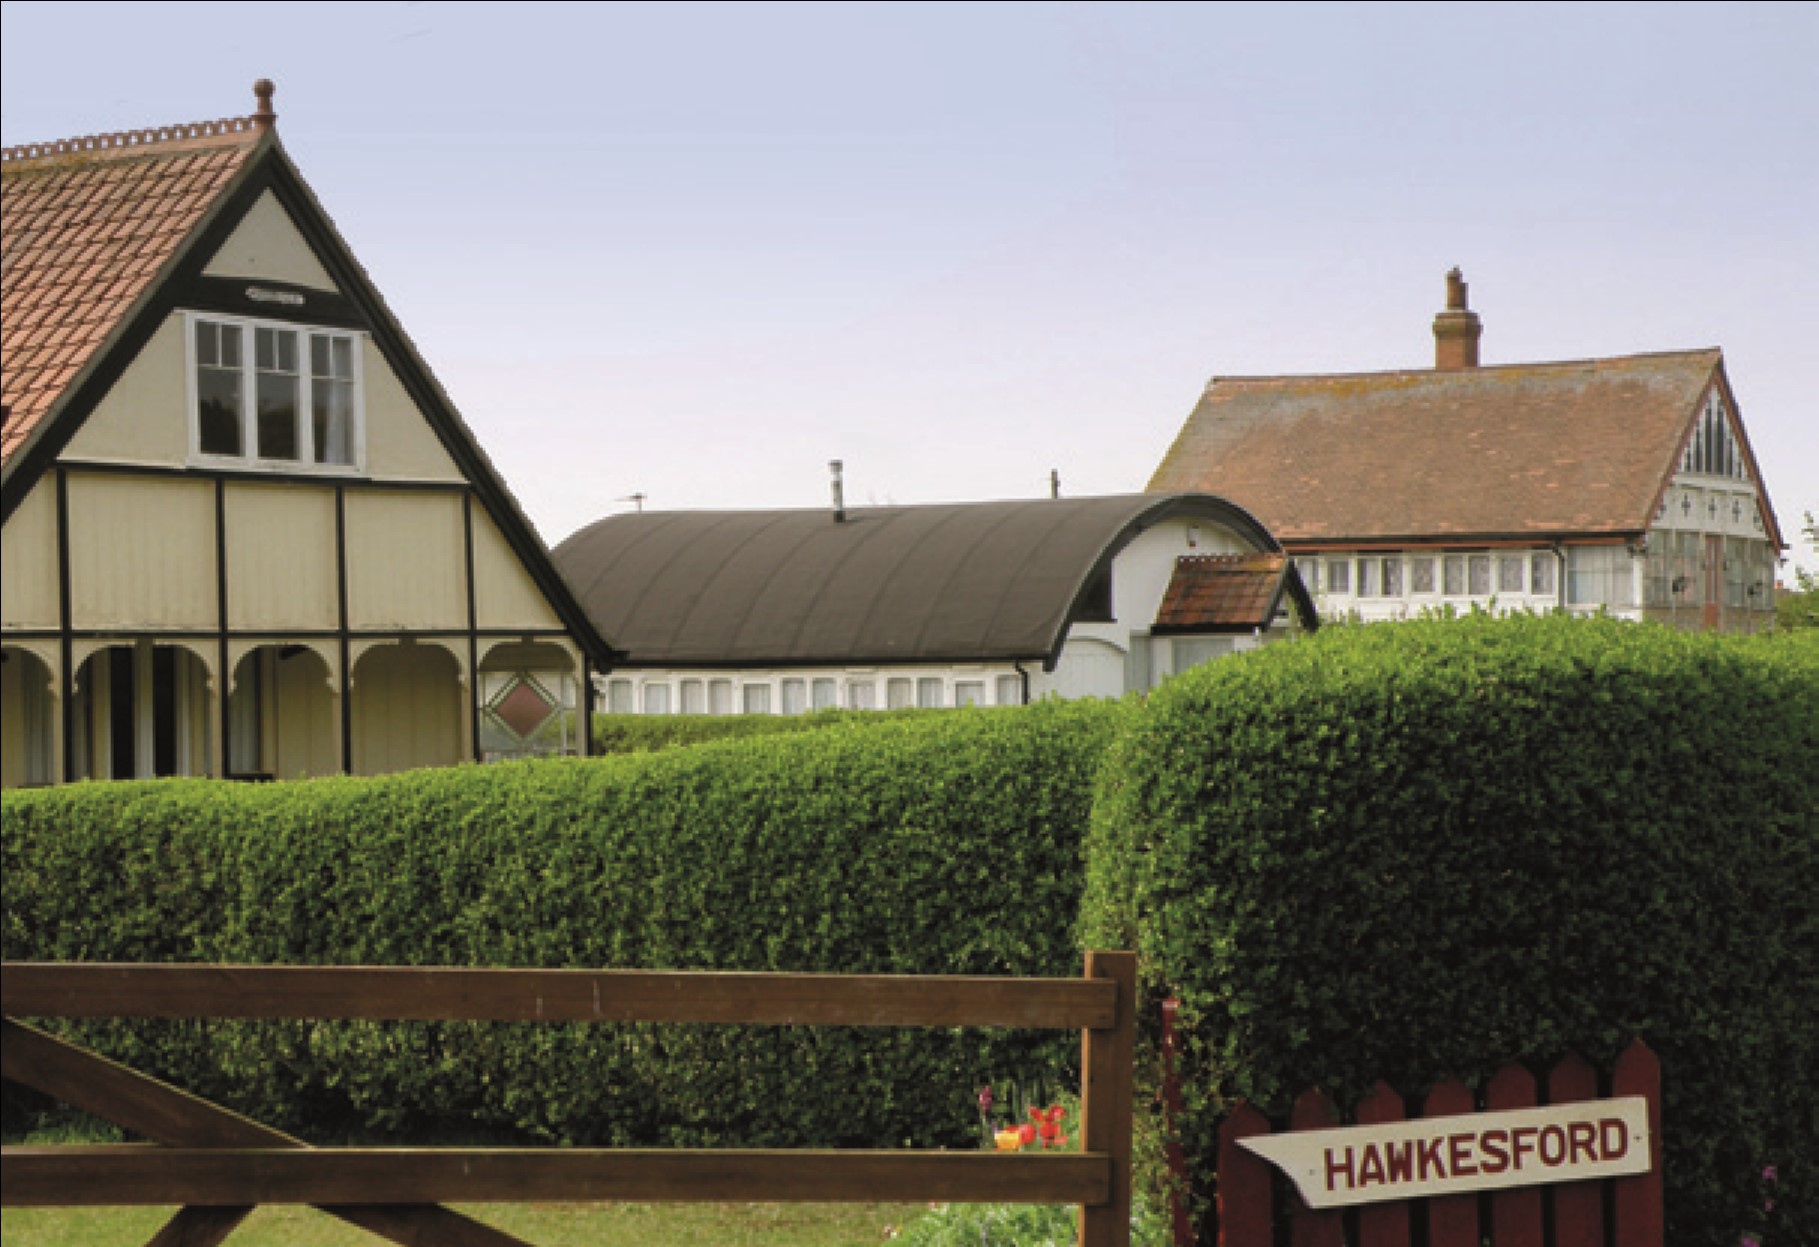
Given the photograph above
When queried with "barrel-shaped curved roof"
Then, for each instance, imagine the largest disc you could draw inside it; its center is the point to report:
(963, 582)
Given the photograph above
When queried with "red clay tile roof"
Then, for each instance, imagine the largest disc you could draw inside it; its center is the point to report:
(1543, 449)
(1221, 592)
(88, 225)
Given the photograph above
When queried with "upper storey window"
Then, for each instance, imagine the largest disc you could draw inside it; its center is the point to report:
(275, 396)
(1714, 450)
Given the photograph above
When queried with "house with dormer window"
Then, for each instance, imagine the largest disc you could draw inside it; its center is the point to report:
(1623, 485)
(245, 531)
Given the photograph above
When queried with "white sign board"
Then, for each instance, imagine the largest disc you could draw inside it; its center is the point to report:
(1450, 1155)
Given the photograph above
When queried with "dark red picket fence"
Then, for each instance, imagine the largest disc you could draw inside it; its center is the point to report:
(1254, 1203)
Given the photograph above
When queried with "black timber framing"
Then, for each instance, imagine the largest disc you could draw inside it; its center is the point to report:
(268, 168)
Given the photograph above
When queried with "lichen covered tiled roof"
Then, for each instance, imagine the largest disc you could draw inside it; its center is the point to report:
(1543, 449)
(1221, 592)
(88, 224)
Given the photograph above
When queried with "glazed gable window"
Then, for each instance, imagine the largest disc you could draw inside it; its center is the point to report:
(276, 396)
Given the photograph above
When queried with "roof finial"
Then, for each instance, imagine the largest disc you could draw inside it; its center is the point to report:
(264, 118)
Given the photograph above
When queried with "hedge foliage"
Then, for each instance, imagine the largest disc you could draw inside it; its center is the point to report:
(1421, 850)
(940, 844)
(646, 733)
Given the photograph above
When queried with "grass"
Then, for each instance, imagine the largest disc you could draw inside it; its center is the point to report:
(546, 1225)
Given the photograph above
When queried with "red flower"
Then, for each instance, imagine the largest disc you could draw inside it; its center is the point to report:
(1035, 1113)
(1027, 1134)
(1048, 1130)
(1056, 1113)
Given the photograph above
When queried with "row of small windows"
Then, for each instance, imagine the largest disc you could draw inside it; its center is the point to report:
(1714, 450)
(275, 394)
(1454, 575)
(802, 695)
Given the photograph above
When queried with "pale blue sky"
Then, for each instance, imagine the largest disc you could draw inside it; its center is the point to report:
(697, 250)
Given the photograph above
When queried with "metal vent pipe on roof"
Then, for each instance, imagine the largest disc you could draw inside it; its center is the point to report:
(837, 468)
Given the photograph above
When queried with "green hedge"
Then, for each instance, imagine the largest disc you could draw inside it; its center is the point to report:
(941, 844)
(647, 733)
(1421, 850)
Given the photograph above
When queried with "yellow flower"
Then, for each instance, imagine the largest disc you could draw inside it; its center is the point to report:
(1008, 1140)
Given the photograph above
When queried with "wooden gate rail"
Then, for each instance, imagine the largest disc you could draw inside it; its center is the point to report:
(218, 1164)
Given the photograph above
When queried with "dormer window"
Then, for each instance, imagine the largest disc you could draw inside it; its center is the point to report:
(275, 396)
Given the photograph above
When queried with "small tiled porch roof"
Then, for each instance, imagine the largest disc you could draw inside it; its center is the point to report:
(1222, 593)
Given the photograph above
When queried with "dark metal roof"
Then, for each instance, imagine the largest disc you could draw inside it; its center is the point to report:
(963, 582)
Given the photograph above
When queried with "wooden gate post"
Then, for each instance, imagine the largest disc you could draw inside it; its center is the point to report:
(1106, 1088)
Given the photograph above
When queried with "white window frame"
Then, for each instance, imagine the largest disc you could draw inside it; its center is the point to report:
(305, 464)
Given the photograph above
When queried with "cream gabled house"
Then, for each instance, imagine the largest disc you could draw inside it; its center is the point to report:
(245, 531)
(1624, 485)
(953, 604)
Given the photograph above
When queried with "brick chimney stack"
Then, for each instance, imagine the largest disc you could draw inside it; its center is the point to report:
(1457, 329)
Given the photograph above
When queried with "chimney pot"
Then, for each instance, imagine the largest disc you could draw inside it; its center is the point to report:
(1457, 329)
(264, 117)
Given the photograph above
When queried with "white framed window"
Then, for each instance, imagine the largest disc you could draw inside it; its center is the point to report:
(694, 697)
(899, 693)
(720, 697)
(1010, 690)
(929, 692)
(1509, 573)
(1392, 578)
(1453, 569)
(266, 394)
(969, 692)
(1367, 578)
(861, 695)
(1338, 576)
(757, 698)
(1541, 578)
(619, 696)
(656, 699)
(1478, 567)
(1421, 575)
(795, 696)
(824, 694)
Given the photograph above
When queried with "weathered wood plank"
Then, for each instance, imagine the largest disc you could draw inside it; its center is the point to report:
(1515, 1214)
(1578, 1206)
(1107, 1058)
(167, 1114)
(1383, 1225)
(1638, 1203)
(67, 1176)
(129, 1099)
(1246, 1207)
(1452, 1220)
(409, 993)
(1314, 1110)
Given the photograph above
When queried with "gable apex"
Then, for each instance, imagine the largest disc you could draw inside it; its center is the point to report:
(266, 245)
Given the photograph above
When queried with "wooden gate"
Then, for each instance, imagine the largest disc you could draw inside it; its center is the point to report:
(219, 1165)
